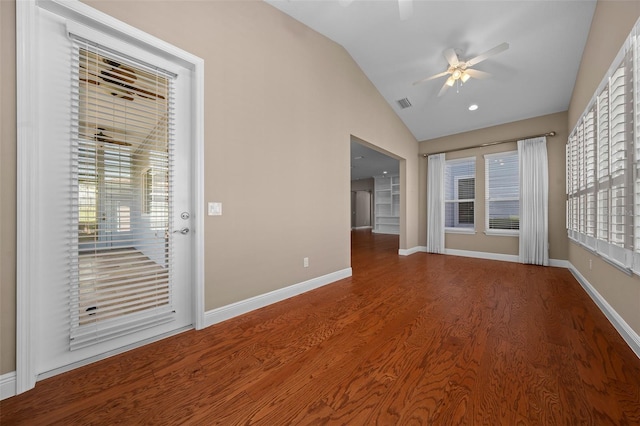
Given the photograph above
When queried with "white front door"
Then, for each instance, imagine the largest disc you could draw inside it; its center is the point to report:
(115, 269)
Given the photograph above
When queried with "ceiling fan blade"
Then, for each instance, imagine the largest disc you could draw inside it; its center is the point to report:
(451, 57)
(406, 9)
(445, 86)
(480, 75)
(481, 57)
(433, 77)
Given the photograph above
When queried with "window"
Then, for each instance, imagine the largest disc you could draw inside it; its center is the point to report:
(460, 194)
(502, 193)
(123, 124)
(603, 200)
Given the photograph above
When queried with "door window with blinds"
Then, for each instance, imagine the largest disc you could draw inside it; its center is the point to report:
(603, 167)
(122, 165)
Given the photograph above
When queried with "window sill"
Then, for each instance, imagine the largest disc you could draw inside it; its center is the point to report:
(459, 231)
(502, 233)
(603, 257)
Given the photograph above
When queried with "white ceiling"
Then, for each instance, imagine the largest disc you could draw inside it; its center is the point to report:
(534, 77)
(366, 162)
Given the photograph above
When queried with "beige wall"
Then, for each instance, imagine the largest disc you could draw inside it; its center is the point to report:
(7, 187)
(556, 154)
(612, 22)
(281, 105)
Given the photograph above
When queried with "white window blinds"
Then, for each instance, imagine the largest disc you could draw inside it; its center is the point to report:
(460, 193)
(603, 203)
(121, 251)
(502, 193)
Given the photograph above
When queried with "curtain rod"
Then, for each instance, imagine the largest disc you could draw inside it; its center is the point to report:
(482, 145)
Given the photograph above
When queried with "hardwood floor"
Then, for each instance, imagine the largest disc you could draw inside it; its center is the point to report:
(423, 339)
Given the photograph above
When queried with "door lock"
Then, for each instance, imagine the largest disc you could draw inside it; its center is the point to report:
(185, 215)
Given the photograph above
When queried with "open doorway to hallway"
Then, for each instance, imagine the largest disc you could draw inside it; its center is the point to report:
(375, 190)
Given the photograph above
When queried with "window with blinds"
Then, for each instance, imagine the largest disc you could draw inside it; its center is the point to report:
(460, 194)
(502, 193)
(603, 203)
(121, 251)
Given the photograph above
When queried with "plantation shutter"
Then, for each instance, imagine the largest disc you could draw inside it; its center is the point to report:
(122, 144)
(604, 183)
(590, 177)
(606, 143)
(621, 94)
(635, 126)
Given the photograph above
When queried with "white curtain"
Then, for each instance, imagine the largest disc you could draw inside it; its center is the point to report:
(435, 204)
(534, 201)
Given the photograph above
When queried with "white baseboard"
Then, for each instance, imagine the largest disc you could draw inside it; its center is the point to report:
(628, 334)
(412, 250)
(502, 257)
(355, 228)
(7, 385)
(559, 263)
(482, 255)
(242, 307)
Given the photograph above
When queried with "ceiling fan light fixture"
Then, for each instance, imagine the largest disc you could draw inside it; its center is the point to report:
(456, 74)
(464, 77)
(450, 81)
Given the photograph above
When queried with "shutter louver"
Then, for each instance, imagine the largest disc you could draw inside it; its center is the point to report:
(603, 169)
(122, 159)
(590, 177)
(619, 142)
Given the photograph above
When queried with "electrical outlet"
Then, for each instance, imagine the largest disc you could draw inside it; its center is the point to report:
(305, 262)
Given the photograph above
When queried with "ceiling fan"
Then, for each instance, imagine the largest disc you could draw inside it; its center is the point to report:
(461, 71)
(405, 7)
(104, 138)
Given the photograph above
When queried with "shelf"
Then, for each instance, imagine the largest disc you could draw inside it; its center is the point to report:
(387, 205)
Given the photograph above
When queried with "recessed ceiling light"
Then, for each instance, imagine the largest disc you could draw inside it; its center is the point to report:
(384, 173)
(473, 107)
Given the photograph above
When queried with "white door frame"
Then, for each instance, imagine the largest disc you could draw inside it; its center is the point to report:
(28, 160)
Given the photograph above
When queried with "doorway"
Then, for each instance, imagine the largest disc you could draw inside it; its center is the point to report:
(361, 202)
(111, 179)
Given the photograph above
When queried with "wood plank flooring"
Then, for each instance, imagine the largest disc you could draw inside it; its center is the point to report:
(424, 339)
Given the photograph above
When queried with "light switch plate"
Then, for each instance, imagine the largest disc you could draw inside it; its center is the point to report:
(215, 209)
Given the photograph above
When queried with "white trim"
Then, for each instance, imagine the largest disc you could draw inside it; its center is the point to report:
(628, 334)
(412, 250)
(197, 193)
(467, 231)
(7, 385)
(108, 354)
(87, 15)
(503, 232)
(558, 263)
(27, 160)
(27, 191)
(224, 313)
(355, 228)
(483, 255)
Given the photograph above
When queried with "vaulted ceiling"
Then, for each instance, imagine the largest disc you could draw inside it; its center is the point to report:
(534, 77)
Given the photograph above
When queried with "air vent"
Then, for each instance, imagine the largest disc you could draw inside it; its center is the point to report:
(404, 103)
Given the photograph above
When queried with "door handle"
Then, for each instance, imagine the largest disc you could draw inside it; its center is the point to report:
(183, 231)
